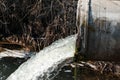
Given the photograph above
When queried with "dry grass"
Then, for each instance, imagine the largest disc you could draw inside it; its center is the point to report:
(36, 23)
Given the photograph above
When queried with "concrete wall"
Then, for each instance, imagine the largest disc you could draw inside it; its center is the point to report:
(98, 22)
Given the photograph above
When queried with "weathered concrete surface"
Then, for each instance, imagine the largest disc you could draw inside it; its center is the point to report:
(99, 29)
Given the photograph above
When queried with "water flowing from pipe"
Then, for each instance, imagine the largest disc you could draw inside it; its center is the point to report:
(46, 61)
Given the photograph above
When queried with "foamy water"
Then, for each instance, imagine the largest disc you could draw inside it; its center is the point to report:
(43, 63)
(46, 61)
(14, 53)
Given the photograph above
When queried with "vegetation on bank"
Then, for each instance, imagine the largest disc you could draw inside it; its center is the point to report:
(35, 24)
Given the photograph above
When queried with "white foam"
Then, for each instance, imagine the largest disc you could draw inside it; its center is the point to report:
(13, 53)
(46, 60)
